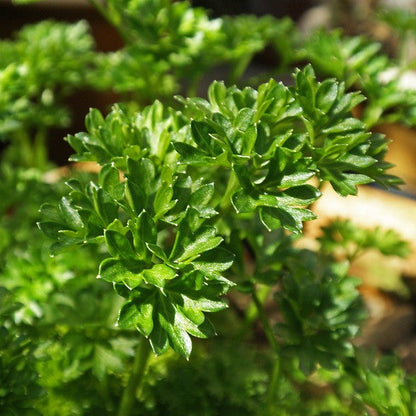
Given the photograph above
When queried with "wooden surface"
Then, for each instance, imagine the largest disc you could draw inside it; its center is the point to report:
(371, 208)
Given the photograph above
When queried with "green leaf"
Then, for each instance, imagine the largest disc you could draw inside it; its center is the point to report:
(106, 360)
(245, 203)
(216, 94)
(117, 226)
(109, 179)
(346, 183)
(295, 196)
(200, 200)
(347, 125)
(70, 215)
(201, 133)
(120, 271)
(103, 204)
(157, 251)
(190, 245)
(214, 262)
(51, 212)
(326, 95)
(289, 218)
(203, 330)
(249, 140)
(118, 245)
(94, 121)
(191, 155)
(244, 119)
(202, 196)
(171, 323)
(142, 173)
(51, 229)
(138, 314)
(135, 197)
(163, 200)
(144, 232)
(191, 313)
(300, 195)
(158, 338)
(158, 274)
(195, 301)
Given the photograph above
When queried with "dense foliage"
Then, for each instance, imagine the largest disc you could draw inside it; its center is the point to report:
(193, 223)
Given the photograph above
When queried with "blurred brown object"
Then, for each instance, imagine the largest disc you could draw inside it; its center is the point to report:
(402, 153)
(391, 321)
(372, 208)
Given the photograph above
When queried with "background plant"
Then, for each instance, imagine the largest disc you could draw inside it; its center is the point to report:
(39, 68)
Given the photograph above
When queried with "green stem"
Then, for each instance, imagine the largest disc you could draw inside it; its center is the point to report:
(353, 256)
(252, 312)
(231, 187)
(101, 9)
(403, 54)
(273, 386)
(23, 149)
(40, 149)
(111, 18)
(265, 322)
(275, 377)
(136, 376)
(193, 86)
(238, 69)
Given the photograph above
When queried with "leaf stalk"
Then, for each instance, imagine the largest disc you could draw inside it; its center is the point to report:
(136, 376)
(275, 376)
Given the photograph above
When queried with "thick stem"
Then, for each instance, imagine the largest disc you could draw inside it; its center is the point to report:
(136, 377)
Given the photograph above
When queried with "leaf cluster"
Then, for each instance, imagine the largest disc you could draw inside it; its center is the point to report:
(160, 211)
(223, 384)
(362, 65)
(57, 323)
(165, 259)
(341, 238)
(19, 388)
(322, 311)
(173, 46)
(40, 66)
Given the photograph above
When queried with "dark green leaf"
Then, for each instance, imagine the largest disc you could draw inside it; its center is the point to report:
(118, 245)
